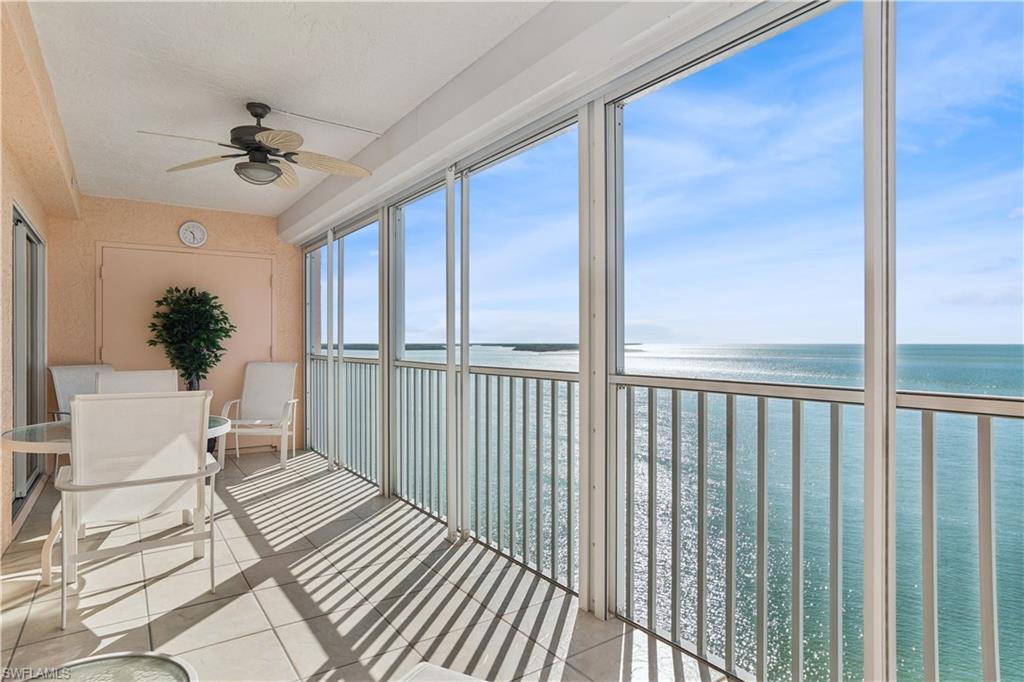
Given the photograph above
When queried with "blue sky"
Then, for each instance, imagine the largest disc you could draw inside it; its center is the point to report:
(744, 205)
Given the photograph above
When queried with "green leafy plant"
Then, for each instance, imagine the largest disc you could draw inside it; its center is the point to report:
(190, 325)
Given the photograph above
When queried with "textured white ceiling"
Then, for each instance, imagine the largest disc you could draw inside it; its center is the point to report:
(189, 68)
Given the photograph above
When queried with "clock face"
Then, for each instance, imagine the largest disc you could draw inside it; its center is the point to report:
(192, 234)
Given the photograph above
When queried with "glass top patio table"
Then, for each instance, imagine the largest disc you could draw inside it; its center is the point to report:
(55, 437)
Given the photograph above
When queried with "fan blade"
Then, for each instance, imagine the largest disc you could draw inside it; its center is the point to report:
(203, 162)
(288, 179)
(281, 140)
(327, 164)
(186, 137)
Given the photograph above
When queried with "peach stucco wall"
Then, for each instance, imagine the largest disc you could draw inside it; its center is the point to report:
(72, 270)
(36, 175)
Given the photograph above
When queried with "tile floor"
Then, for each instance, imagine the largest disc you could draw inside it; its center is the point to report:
(318, 578)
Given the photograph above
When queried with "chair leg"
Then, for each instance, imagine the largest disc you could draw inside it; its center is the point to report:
(199, 520)
(46, 559)
(220, 450)
(283, 450)
(186, 517)
(65, 560)
(213, 534)
(236, 446)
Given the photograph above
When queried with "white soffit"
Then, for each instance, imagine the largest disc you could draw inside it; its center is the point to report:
(563, 54)
(189, 68)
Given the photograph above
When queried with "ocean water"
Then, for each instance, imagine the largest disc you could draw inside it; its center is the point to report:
(974, 369)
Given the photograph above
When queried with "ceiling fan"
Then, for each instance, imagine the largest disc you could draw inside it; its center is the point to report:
(270, 154)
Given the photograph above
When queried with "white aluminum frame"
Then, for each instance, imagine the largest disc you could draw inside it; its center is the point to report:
(879, 342)
(602, 377)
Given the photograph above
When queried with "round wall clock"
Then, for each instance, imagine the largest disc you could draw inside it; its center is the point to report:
(192, 234)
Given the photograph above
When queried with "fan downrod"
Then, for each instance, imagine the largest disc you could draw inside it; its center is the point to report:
(257, 110)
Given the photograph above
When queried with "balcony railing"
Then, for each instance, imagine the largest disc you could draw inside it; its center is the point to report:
(720, 483)
(360, 433)
(733, 540)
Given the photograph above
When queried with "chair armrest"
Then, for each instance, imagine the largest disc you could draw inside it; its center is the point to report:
(64, 484)
(59, 414)
(226, 410)
(287, 414)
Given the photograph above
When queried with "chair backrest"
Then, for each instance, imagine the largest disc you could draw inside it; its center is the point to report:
(268, 386)
(124, 437)
(72, 380)
(140, 381)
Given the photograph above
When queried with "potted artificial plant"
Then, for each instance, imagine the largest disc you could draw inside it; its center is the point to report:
(190, 325)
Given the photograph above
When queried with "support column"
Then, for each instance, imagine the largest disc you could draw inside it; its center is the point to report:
(879, 342)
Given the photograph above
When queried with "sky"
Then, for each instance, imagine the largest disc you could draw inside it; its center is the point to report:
(743, 201)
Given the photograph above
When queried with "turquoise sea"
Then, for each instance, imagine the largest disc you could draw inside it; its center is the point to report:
(970, 369)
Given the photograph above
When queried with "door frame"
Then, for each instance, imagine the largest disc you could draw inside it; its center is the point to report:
(98, 282)
(28, 378)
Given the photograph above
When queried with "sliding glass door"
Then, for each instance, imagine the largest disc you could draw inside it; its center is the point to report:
(29, 357)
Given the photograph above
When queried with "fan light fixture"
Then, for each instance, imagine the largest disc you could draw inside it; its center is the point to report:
(257, 172)
(271, 153)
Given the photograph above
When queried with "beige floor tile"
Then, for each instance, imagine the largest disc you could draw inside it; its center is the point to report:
(253, 658)
(363, 546)
(98, 576)
(310, 598)
(84, 612)
(179, 560)
(560, 671)
(393, 579)
(174, 591)
(252, 547)
(282, 569)
(510, 589)
(637, 656)
(237, 526)
(464, 560)
(209, 623)
(559, 625)
(12, 618)
(104, 639)
(322, 533)
(337, 639)
(490, 650)
(433, 611)
(390, 666)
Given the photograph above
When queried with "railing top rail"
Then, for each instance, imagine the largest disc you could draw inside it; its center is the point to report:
(525, 372)
(824, 394)
(990, 406)
(421, 364)
(348, 358)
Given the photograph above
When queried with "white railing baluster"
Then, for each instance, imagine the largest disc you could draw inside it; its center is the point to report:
(487, 458)
(497, 461)
(675, 563)
(796, 647)
(511, 468)
(652, 505)
(554, 479)
(987, 554)
(730, 533)
(702, 535)
(525, 505)
(929, 576)
(762, 540)
(570, 457)
(477, 439)
(630, 510)
(835, 542)
(538, 399)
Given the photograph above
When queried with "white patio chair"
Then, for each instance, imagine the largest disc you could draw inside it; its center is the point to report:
(68, 381)
(138, 381)
(135, 456)
(72, 380)
(267, 405)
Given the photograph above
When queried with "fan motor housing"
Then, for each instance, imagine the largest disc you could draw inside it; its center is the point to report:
(245, 137)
